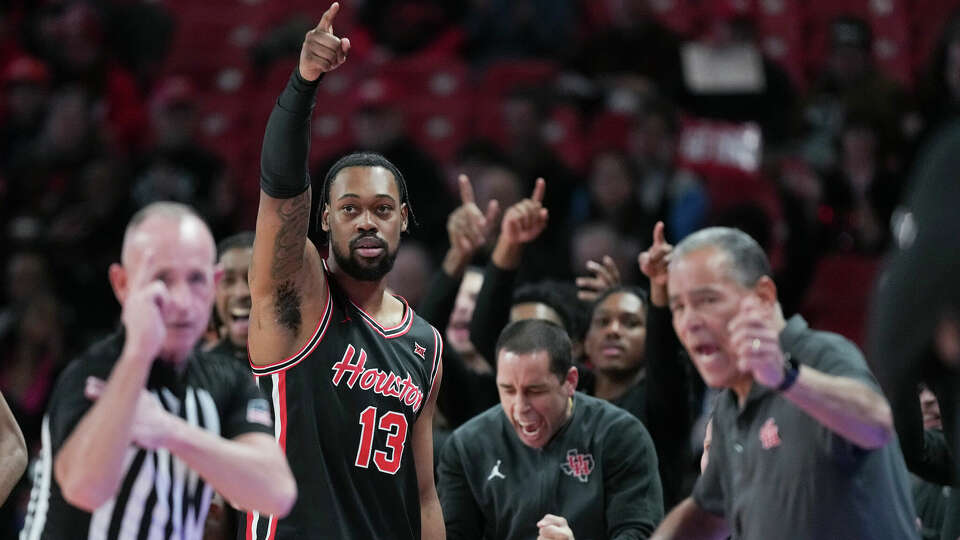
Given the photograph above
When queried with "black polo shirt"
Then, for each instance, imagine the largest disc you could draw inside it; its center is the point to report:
(776, 472)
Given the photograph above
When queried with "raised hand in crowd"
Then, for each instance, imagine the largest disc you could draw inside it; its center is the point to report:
(653, 264)
(323, 51)
(468, 228)
(522, 223)
(605, 276)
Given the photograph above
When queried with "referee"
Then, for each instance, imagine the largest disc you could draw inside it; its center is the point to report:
(142, 428)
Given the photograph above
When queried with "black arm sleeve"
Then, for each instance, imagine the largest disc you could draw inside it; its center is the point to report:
(669, 418)
(492, 311)
(438, 303)
(286, 142)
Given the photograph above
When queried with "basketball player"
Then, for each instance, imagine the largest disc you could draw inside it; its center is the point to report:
(352, 371)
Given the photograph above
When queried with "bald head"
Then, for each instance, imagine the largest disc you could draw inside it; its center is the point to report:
(170, 220)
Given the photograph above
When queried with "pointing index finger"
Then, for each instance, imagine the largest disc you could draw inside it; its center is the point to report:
(658, 234)
(538, 190)
(466, 190)
(326, 22)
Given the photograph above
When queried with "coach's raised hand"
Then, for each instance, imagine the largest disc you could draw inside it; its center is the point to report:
(323, 51)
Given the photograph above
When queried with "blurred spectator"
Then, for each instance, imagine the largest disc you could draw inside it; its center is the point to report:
(41, 175)
(593, 241)
(851, 86)
(727, 77)
(498, 473)
(86, 235)
(939, 91)
(930, 499)
(26, 86)
(665, 193)
(72, 37)
(614, 346)
(178, 167)
(411, 272)
(33, 356)
(458, 329)
(405, 27)
(506, 29)
(612, 54)
(612, 186)
(860, 194)
(27, 276)
(232, 301)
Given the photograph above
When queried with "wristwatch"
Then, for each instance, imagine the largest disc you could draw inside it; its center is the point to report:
(791, 369)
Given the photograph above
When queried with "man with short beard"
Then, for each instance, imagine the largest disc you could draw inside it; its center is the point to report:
(352, 371)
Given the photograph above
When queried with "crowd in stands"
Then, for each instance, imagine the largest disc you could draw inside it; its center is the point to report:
(795, 121)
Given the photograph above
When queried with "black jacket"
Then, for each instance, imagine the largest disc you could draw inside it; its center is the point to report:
(599, 472)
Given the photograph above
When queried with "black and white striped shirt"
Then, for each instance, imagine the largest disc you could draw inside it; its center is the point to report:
(159, 496)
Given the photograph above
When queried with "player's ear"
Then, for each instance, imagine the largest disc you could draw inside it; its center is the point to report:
(403, 216)
(118, 281)
(325, 218)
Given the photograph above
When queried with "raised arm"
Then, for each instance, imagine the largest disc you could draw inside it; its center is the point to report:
(287, 283)
(669, 415)
(845, 405)
(522, 223)
(13, 451)
(86, 465)
(468, 230)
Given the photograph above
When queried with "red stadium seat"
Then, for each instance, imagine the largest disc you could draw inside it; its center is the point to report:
(439, 127)
(678, 15)
(781, 36)
(504, 76)
(890, 22)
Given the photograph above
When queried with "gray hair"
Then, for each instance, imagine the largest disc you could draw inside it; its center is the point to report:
(748, 262)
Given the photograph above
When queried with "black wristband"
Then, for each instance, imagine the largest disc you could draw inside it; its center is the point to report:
(791, 370)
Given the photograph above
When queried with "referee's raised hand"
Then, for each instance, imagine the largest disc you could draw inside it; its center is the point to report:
(146, 306)
(322, 51)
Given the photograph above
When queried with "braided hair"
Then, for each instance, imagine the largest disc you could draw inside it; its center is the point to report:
(361, 159)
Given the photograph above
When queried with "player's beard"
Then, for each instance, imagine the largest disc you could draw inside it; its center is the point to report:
(351, 263)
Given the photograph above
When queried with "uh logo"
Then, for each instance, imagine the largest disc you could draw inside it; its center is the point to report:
(578, 465)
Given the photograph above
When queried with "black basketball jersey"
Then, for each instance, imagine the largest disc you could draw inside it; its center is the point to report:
(159, 496)
(344, 410)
